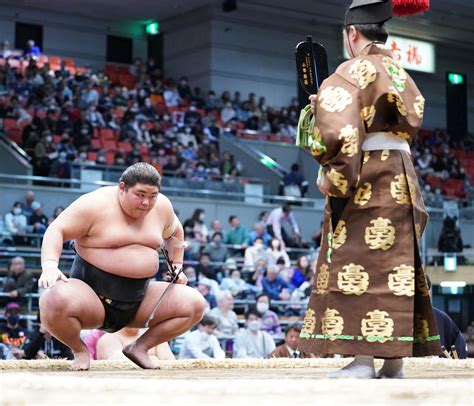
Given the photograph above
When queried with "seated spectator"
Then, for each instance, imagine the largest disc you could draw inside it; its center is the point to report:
(301, 272)
(18, 281)
(294, 184)
(12, 334)
(274, 286)
(16, 224)
(204, 288)
(119, 159)
(94, 117)
(5, 51)
(110, 345)
(227, 165)
(32, 50)
(254, 253)
(259, 273)
(202, 343)
(205, 268)
(276, 221)
(57, 211)
(235, 284)
(225, 317)
(27, 202)
(5, 352)
(134, 155)
(216, 227)
(216, 249)
(228, 113)
(251, 342)
(260, 231)
(196, 226)
(42, 345)
(238, 234)
(38, 221)
(450, 239)
(269, 319)
(289, 349)
(61, 167)
(276, 251)
(183, 88)
(171, 95)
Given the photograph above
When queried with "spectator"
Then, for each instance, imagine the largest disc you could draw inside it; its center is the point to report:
(110, 345)
(294, 184)
(276, 221)
(57, 211)
(225, 317)
(216, 249)
(254, 253)
(274, 286)
(192, 276)
(227, 113)
(260, 231)
(38, 221)
(259, 273)
(183, 88)
(276, 251)
(5, 51)
(12, 334)
(252, 342)
(301, 272)
(196, 226)
(270, 321)
(204, 266)
(227, 165)
(16, 224)
(18, 281)
(450, 239)
(202, 343)
(216, 227)
(32, 50)
(171, 95)
(61, 167)
(204, 287)
(5, 352)
(289, 349)
(237, 235)
(42, 345)
(26, 204)
(235, 284)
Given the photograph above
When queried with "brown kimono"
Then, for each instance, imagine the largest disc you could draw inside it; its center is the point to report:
(370, 295)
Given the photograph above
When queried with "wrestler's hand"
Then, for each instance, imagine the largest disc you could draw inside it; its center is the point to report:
(323, 183)
(50, 275)
(313, 100)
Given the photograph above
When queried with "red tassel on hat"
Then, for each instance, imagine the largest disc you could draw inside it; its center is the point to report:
(409, 7)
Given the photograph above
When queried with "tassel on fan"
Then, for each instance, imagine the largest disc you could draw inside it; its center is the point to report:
(409, 7)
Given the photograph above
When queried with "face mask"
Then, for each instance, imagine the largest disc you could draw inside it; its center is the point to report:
(101, 159)
(188, 131)
(200, 168)
(13, 319)
(253, 325)
(49, 138)
(92, 108)
(17, 210)
(258, 245)
(83, 156)
(120, 161)
(84, 131)
(202, 216)
(262, 307)
(166, 117)
(147, 103)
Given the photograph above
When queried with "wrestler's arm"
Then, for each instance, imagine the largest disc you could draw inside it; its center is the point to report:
(74, 222)
(173, 236)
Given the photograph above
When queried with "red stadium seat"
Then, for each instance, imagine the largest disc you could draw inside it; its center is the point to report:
(109, 145)
(15, 135)
(110, 157)
(96, 144)
(107, 134)
(9, 123)
(92, 156)
(124, 147)
(56, 139)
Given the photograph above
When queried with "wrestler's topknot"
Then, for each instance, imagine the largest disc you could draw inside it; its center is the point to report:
(141, 172)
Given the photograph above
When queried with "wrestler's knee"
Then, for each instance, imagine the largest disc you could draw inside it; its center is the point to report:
(199, 306)
(53, 301)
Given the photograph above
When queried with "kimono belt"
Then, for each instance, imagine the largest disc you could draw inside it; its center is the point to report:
(384, 140)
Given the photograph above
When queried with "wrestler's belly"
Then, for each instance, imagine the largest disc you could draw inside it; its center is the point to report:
(132, 261)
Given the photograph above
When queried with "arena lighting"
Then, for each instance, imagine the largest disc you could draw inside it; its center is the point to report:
(455, 78)
(152, 28)
(268, 162)
(453, 284)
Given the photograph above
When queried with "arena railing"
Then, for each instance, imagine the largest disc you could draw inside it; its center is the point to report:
(80, 185)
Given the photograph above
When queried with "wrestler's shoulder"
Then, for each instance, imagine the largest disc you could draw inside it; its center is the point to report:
(101, 195)
(163, 202)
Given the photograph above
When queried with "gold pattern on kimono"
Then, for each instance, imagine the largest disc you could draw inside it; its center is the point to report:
(309, 322)
(316, 144)
(385, 155)
(366, 157)
(332, 323)
(339, 235)
(419, 106)
(381, 235)
(322, 279)
(418, 231)
(378, 325)
(401, 134)
(334, 99)
(421, 329)
(364, 72)
(350, 135)
(338, 180)
(422, 283)
(353, 281)
(399, 189)
(368, 115)
(394, 97)
(363, 194)
(396, 73)
(402, 281)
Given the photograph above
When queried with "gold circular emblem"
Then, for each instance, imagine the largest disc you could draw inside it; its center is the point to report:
(334, 99)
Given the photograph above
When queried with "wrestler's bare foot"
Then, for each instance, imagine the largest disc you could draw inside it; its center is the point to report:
(139, 356)
(81, 361)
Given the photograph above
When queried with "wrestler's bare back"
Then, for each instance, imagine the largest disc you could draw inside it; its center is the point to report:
(115, 242)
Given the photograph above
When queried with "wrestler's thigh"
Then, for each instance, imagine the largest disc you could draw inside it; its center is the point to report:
(180, 301)
(74, 298)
